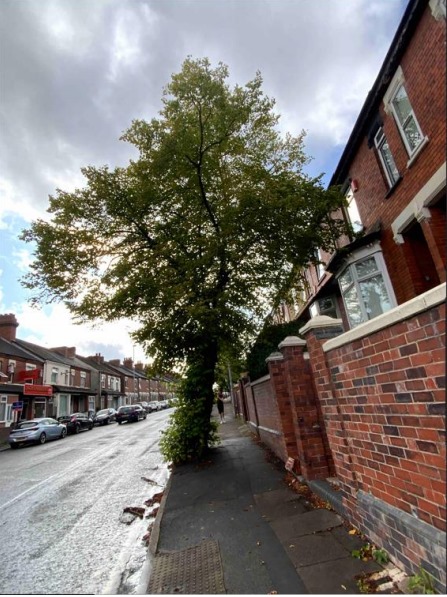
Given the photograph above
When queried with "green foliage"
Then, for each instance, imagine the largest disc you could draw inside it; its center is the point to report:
(189, 433)
(380, 556)
(421, 583)
(198, 237)
(266, 343)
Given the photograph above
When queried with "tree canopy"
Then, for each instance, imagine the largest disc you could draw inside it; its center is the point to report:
(196, 239)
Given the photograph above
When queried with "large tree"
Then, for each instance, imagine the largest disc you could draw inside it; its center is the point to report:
(197, 238)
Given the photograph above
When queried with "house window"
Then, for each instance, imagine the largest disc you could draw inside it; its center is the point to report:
(63, 404)
(54, 374)
(83, 379)
(386, 157)
(72, 377)
(319, 264)
(406, 120)
(103, 380)
(325, 306)
(366, 289)
(5, 410)
(353, 212)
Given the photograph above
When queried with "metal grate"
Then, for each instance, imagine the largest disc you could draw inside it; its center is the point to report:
(195, 571)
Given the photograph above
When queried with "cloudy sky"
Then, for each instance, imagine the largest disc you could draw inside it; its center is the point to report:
(75, 73)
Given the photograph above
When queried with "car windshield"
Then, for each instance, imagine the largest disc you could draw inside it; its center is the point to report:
(125, 409)
(27, 424)
(102, 412)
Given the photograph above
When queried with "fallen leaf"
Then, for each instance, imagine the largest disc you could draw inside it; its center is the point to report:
(343, 587)
(258, 543)
(352, 532)
(291, 546)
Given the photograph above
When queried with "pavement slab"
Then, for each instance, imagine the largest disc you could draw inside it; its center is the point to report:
(314, 549)
(306, 524)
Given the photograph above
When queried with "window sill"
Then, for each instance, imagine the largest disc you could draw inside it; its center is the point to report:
(415, 155)
(394, 187)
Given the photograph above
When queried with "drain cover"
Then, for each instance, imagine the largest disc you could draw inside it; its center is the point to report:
(194, 571)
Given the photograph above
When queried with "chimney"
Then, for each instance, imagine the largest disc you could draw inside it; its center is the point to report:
(97, 358)
(115, 362)
(8, 326)
(67, 352)
(128, 363)
(139, 366)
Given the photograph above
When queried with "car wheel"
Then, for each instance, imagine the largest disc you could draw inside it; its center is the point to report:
(63, 433)
(106, 422)
(90, 427)
(42, 438)
(14, 446)
(119, 422)
(77, 429)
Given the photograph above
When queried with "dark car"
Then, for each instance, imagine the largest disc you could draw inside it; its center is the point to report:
(77, 422)
(105, 416)
(131, 414)
(36, 431)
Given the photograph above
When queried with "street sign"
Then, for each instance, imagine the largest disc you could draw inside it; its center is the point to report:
(17, 406)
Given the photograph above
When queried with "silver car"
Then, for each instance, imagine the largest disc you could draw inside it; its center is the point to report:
(36, 431)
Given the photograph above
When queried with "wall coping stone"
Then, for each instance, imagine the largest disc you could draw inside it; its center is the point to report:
(274, 356)
(420, 303)
(321, 321)
(260, 380)
(291, 341)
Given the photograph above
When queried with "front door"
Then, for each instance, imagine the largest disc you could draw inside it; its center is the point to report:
(39, 409)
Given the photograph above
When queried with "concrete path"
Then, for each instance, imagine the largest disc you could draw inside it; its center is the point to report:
(233, 526)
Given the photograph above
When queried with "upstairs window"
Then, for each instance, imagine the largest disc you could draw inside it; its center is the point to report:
(386, 157)
(406, 120)
(353, 212)
(54, 375)
(397, 103)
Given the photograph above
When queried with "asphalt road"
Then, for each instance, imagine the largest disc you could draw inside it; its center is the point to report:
(62, 528)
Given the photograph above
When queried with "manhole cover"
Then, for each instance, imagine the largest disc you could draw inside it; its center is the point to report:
(194, 571)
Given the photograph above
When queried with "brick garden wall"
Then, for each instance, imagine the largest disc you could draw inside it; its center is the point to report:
(383, 401)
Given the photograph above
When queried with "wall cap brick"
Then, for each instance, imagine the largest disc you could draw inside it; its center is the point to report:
(274, 356)
(260, 379)
(321, 321)
(291, 341)
(423, 302)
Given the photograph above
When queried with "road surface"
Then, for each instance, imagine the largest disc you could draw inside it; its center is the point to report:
(62, 527)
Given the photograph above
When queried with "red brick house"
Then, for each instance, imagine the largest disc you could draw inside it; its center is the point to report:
(360, 395)
(393, 174)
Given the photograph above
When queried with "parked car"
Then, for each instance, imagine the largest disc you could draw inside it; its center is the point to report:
(145, 405)
(131, 414)
(163, 404)
(77, 422)
(36, 431)
(105, 416)
(155, 405)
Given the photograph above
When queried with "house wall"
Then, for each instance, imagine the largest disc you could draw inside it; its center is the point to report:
(424, 68)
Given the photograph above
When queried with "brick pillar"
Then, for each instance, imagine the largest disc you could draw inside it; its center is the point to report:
(308, 432)
(317, 331)
(280, 390)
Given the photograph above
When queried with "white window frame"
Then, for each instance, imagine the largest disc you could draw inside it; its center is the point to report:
(352, 210)
(381, 142)
(8, 418)
(83, 379)
(438, 9)
(397, 83)
(54, 375)
(315, 308)
(355, 258)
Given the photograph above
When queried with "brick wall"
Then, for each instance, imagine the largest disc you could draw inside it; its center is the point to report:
(382, 392)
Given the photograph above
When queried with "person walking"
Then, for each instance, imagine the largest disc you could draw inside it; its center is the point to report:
(220, 406)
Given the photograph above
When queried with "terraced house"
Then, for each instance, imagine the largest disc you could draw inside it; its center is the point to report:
(359, 395)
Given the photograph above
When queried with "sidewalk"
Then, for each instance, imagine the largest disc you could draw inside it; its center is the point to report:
(233, 526)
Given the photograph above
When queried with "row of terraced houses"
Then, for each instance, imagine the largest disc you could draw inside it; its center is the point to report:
(58, 381)
(358, 397)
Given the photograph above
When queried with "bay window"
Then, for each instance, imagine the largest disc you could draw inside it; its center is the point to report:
(366, 289)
